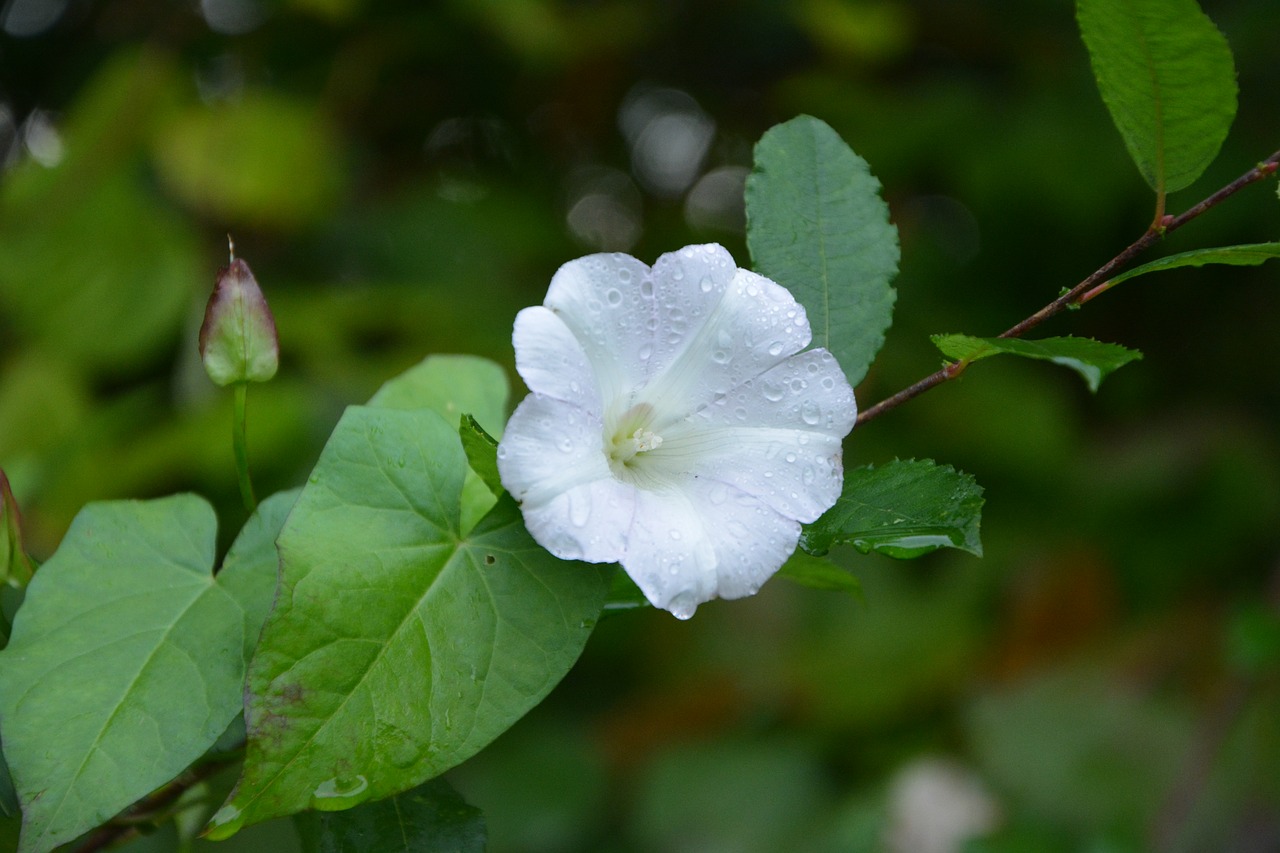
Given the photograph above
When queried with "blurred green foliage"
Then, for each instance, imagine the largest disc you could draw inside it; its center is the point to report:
(404, 177)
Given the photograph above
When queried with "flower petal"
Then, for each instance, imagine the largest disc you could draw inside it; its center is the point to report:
(685, 548)
(776, 437)
(549, 447)
(720, 330)
(606, 301)
(551, 360)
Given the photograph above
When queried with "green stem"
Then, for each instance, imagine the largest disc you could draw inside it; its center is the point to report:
(241, 448)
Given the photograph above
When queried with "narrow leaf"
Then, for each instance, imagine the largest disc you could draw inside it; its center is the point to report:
(398, 646)
(816, 224)
(482, 453)
(1248, 255)
(1093, 360)
(127, 659)
(903, 509)
(1168, 78)
(432, 818)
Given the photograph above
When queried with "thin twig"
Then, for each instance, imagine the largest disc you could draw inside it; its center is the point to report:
(1089, 287)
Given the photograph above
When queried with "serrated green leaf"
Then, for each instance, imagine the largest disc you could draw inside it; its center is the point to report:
(451, 385)
(482, 453)
(1093, 360)
(818, 573)
(903, 509)
(398, 645)
(816, 224)
(128, 657)
(1247, 255)
(432, 818)
(1168, 78)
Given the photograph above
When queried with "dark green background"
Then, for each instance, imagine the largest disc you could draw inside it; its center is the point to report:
(400, 176)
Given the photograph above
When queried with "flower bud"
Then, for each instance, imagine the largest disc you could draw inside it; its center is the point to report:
(15, 566)
(238, 340)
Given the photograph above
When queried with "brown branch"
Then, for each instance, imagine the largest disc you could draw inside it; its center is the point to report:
(1089, 287)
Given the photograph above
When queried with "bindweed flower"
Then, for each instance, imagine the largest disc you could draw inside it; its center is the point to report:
(238, 341)
(674, 425)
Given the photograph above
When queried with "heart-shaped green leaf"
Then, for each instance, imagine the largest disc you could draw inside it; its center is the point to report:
(399, 646)
(127, 659)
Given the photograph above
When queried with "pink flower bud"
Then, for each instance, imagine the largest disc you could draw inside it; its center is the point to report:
(238, 340)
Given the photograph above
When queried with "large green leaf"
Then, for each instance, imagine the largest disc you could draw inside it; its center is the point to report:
(398, 646)
(816, 224)
(128, 657)
(1167, 75)
(453, 386)
(903, 509)
(1247, 255)
(1093, 360)
(431, 818)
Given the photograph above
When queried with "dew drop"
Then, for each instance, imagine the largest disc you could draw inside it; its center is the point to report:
(721, 356)
(807, 475)
(676, 534)
(579, 508)
(614, 297)
(828, 382)
(646, 352)
(775, 348)
(706, 284)
(682, 606)
(810, 413)
(674, 338)
(791, 457)
(646, 288)
(624, 276)
(772, 392)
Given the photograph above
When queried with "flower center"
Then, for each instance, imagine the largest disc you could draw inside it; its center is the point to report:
(630, 437)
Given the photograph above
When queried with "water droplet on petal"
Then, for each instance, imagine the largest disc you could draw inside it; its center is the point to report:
(614, 297)
(646, 352)
(646, 288)
(810, 413)
(775, 348)
(706, 284)
(682, 606)
(721, 356)
(565, 444)
(772, 392)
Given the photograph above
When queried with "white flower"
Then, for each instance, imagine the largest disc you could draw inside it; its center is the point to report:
(674, 426)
